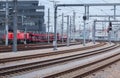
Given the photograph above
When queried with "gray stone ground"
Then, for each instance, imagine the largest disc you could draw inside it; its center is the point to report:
(112, 71)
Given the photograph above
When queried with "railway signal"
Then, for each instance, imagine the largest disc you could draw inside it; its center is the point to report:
(10, 11)
(84, 18)
(109, 27)
(109, 31)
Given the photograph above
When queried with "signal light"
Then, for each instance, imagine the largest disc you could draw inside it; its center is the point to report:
(109, 27)
(84, 18)
(10, 11)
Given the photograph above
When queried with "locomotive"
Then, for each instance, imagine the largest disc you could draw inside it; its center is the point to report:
(32, 37)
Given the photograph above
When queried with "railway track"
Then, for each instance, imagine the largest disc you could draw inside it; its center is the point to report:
(89, 65)
(4, 60)
(54, 62)
(23, 47)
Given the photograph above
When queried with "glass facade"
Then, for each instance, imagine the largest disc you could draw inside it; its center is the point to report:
(30, 16)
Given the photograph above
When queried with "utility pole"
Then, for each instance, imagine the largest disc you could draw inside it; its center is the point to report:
(48, 25)
(87, 12)
(55, 25)
(25, 28)
(15, 26)
(114, 12)
(25, 34)
(62, 26)
(79, 30)
(68, 28)
(84, 30)
(55, 28)
(54, 2)
(110, 32)
(22, 18)
(74, 14)
(94, 30)
(84, 33)
(6, 23)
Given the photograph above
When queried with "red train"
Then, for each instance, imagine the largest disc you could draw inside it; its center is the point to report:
(32, 37)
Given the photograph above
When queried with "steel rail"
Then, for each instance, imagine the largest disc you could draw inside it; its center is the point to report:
(31, 66)
(85, 69)
(4, 60)
(30, 47)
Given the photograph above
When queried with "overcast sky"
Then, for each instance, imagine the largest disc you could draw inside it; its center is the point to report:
(79, 10)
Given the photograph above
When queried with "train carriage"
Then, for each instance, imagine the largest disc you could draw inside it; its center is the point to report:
(32, 37)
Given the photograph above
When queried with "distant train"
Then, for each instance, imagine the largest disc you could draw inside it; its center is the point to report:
(32, 37)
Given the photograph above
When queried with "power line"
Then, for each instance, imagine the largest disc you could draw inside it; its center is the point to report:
(104, 11)
(104, 1)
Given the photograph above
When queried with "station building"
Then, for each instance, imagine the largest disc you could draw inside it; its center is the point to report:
(30, 15)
